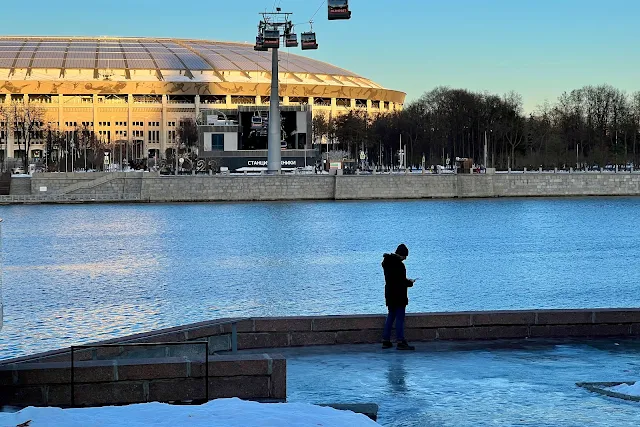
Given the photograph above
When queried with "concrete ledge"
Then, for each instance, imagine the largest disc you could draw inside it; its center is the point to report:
(122, 374)
(190, 332)
(602, 330)
(276, 332)
(564, 317)
(438, 320)
(503, 318)
(368, 409)
(616, 316)
(267, 324)
(257, 377)
(341, 323)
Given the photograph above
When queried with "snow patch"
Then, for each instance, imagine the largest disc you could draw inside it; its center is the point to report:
(221, 412)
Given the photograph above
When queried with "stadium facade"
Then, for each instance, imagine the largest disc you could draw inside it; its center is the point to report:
(139, 89)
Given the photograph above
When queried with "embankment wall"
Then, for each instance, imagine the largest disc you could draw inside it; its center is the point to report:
(154, 188)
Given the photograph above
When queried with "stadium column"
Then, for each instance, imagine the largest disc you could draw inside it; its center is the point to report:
(95, 110)
(334, 106)
(61, 113)
(129, 117)
(197, 104)
(163, 124)
(25, 100)
(10, 140)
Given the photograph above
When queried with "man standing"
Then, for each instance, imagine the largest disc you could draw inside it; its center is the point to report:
(395, 294)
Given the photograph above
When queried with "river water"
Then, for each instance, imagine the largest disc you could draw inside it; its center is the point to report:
(79, 273)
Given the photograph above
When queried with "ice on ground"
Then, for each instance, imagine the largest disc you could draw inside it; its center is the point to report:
(221, 412)
(631, 390)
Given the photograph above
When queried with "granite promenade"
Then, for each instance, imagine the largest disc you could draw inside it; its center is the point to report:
(243, 361)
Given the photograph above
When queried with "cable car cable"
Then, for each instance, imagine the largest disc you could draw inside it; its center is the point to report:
(318, 10)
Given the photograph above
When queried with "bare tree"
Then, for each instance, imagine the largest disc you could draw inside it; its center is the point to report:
(187, 132)
(635, 123)
(319, 127)
(28, 125)
(514, 124)
(5, 126)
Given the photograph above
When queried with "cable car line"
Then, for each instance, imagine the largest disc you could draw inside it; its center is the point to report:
(318, 10)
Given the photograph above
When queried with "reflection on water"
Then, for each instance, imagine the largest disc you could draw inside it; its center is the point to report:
(123, 265)
(397, 376)
(77, 273)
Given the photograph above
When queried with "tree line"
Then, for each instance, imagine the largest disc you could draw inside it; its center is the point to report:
(591, 126)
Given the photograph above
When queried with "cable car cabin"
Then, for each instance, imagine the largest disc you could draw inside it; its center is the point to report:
(271, 39)
(338, 9)
(256, 122)
(309, 41)
(260, 45)
(291, 40)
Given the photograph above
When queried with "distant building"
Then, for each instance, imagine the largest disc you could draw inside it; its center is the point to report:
(139, 89)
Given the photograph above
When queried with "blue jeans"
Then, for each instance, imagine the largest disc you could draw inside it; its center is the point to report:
(397, 314)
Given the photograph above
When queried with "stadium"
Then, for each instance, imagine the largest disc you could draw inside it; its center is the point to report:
(139, 89)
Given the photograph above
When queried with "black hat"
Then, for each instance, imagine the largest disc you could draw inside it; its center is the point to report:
(402, 250)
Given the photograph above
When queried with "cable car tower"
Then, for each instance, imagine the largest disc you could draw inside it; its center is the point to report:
(269, 35)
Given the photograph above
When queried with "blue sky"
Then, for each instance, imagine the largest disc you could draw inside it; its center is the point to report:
(538, 48)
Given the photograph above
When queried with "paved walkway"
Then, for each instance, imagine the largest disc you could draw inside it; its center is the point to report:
(501, 383)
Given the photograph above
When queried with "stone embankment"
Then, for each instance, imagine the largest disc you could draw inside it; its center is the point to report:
(154, 188)
(125, 372)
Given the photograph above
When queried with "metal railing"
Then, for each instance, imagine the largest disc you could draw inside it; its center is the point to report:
(155, 344)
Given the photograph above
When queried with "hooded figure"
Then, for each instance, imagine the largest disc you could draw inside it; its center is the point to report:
(395, 277)
(395, 294)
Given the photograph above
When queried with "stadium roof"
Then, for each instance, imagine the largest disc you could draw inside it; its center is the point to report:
(157, 54)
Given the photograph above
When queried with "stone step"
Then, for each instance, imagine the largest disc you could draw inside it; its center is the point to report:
(85, 185)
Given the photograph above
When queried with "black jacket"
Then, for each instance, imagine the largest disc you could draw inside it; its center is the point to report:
(396, 282)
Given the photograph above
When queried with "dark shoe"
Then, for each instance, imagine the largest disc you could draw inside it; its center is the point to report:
(404, 345)
(386, 344)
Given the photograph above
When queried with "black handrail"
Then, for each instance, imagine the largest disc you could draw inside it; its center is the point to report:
(88, 346)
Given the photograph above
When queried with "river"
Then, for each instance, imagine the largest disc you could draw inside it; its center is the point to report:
(79, 273)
